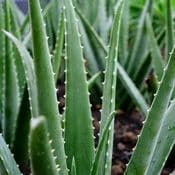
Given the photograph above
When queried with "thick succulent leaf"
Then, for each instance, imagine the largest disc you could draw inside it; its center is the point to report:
(47, 100)
(11, 83)
(29, 73)
(7, 162)
(142, 156)
(42, 159)
(132, 89)
(18, 61)
(79, 141)
(2, 67)
(109, 90)
(124, 33)
(169, 28)
(56, 59)
(164, 141)
(157, 59)
(101, 146)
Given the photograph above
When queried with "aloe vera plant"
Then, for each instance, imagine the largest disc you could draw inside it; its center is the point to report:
(39, 107)
(62, 144)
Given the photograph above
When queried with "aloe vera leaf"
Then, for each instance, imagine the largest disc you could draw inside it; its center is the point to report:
(56, 59)
(20, 149)
(101, 145)
(73, 167)
(122, 75)
(124, 32)
(169, 28)
(7, 161)
(109, 89)
(164, 141)
(157, 59)
(77, 115)
(141, 159)
(29, 73)
(136, 47)
(2, 68)
(46, 84)
(12, 89)
(42, 159)
(18, 62)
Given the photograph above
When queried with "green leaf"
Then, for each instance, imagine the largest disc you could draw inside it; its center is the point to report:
(79, 141)
(18, 62)
(169, 28)
(29, 73)
(124, 33)
(47, 100)
(109, 89)
(143, 154)
(42, 159)
(7, 162)
(11, 84)
(164, 141)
